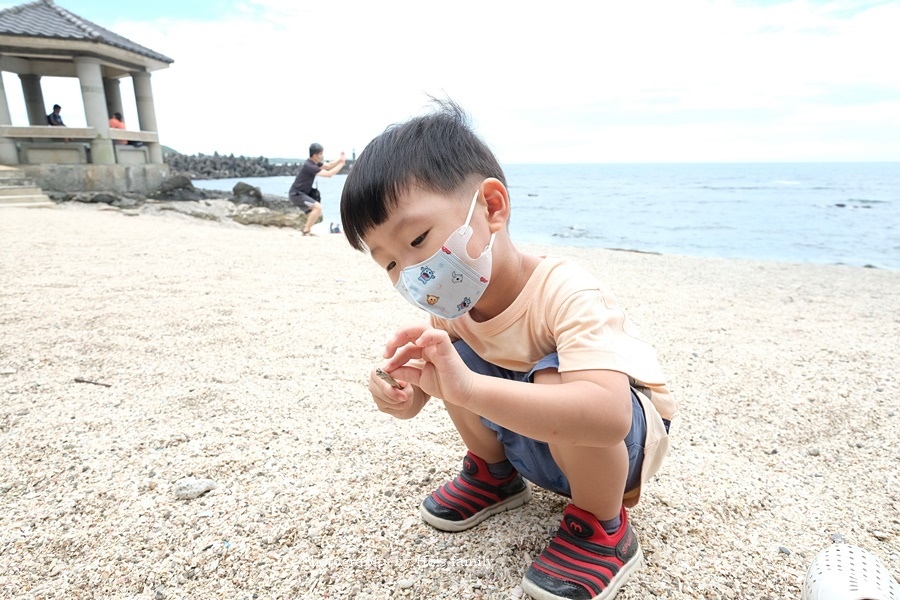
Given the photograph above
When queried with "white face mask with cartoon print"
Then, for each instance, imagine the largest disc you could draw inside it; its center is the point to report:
(449, 283)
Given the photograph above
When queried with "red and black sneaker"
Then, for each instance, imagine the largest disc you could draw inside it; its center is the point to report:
(583, 562)
(473, 496)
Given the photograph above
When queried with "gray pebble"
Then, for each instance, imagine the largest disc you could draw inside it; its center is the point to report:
(784, 550)
(191, 487)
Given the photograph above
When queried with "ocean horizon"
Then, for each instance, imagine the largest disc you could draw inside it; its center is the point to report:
(822, 213)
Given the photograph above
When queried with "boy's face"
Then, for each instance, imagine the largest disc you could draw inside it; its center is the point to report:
(419, 225)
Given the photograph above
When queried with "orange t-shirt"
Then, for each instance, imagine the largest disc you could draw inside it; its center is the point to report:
(114, 123)
(564, 309)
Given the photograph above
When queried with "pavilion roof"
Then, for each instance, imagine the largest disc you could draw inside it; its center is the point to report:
(44, 19)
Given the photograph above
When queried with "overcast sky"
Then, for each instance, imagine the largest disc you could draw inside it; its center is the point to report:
(592, 81)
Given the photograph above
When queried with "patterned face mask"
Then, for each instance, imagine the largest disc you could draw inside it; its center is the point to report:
(449, 283)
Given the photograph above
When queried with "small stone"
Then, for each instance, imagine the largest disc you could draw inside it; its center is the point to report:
(784, 550)
(773, 451)
(813, 451)
(7, 371)
(191, 487)
(205, 513)
(517, 592)
(838, 538)
(891, 413)
(159, 594)
(881, 536)
(405, 584)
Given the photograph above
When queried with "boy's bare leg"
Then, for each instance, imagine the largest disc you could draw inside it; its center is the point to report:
(601, 496)
(480, 440)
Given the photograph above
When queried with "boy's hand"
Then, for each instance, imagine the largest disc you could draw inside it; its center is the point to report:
(442, 373)
(404, 402)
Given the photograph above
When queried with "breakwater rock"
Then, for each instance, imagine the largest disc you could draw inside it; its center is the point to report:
(245, 204)
(220, 166)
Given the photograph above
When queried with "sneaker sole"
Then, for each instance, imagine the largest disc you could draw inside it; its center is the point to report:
(635, 564)
(508, 504)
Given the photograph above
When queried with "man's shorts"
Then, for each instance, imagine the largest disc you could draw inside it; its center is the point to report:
(531, 457)
(303, 202)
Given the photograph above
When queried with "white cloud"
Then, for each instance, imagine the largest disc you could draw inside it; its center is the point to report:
(599, 81)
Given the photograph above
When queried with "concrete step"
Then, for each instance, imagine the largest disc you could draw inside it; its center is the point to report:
(19, 190)
(32, 200)
(22, 180)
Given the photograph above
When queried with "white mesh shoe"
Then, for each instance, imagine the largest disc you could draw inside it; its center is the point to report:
(845, 572)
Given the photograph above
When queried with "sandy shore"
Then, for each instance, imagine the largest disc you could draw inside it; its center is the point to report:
(239, 354)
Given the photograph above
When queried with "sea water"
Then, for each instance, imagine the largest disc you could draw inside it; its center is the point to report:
(831, 213)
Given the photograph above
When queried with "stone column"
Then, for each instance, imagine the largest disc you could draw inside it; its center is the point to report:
(91, 79)
(34, 99)
(113, 96)
(8, 153)
(143, 97)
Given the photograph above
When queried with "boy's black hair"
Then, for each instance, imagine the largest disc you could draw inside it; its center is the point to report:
(315, 149)
(438, 152)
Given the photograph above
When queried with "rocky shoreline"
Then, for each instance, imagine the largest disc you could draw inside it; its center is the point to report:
(244, 204)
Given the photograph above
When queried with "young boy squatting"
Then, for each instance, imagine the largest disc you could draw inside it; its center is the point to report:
(539, 369)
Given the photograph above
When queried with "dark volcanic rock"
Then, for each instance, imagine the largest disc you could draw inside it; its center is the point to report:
(179, 187)
(244, 193)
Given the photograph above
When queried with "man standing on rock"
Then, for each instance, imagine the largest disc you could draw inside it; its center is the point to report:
(302, 193)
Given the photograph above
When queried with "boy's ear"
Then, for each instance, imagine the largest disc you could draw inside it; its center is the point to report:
(496, 197)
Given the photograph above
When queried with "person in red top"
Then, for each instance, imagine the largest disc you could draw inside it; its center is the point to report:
(116, 122)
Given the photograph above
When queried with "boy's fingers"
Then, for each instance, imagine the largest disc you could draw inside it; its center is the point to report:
(407, 375)
(432, 337)
(387, 394)
(401, 356)
(403, 336)
(436, 345)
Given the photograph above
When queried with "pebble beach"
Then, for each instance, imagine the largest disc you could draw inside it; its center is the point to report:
(184, 414)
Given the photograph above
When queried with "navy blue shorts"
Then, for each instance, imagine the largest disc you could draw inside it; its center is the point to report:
(531, 457)
(303, 201)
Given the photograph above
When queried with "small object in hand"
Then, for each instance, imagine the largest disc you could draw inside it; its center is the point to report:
(386, 377)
